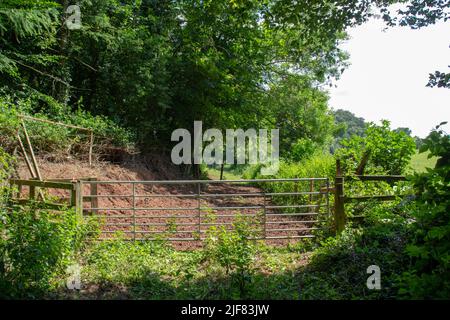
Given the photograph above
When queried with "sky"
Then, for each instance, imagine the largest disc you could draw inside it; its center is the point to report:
(388, 75)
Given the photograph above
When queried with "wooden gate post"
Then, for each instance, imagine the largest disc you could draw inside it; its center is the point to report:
(339, 210)
(79, 198)
(94, 195)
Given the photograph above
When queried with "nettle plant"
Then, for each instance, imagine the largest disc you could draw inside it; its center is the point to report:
(233, 250)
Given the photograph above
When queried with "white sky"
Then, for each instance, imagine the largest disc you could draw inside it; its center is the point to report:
(388, 75)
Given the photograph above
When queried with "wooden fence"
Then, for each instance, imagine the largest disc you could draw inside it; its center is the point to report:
(36, 196)
(340, 198)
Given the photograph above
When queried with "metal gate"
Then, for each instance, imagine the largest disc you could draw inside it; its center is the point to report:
(184, 210)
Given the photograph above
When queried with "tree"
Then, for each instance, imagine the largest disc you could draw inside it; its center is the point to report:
(389, 151)
(346, 126)
(301, 113)
(28, 31)
(407, 131)
(154, 66)
(349, 123)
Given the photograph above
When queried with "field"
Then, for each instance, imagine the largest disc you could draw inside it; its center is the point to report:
(420, 161)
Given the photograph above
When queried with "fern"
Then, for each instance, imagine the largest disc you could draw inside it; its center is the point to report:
(24, 22)
(8, 66)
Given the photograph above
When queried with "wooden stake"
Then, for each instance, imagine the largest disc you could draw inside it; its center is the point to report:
(27, 138)
(35, 174)
(91, 145)
(221, 171)
(339, 209)
(25, 155)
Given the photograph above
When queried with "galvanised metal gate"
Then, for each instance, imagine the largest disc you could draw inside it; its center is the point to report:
(184, 210)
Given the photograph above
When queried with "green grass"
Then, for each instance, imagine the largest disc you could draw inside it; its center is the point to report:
(229, 173)
(148, 270)
(334, 270)
(420, 161)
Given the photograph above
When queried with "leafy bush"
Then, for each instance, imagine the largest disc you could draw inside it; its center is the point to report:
(234, 250)
(338, 267)
(35, 248)
(6, 163)
(52, 138)
(303, 149)
(430, 249)
(9, 123)
(390, 151)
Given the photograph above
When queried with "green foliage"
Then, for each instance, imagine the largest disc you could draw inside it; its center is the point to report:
(317, 165)
(347, 125)
(27, 29)
(53, 138)
(390, 151)
(303, 148)
(122, 263)
(420, 162)
(6, 165)
(147, 270)
(234, 250)
(35, 245)
(35, 248)
(156, 66)
(301, 114)
(430, 249)
(230, 172)
(338, 268)
(419, 14)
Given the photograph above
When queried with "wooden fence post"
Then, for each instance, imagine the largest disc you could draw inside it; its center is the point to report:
(221, 171)
(32, 194)
(94, 194)
(73, 196)
(339, 210)
(79, 198)
(91, 146)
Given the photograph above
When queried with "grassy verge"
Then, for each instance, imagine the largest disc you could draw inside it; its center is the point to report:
(124, 270)
(335, 268)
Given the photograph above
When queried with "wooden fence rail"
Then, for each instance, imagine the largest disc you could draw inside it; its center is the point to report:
(35, 187)
(340, 199)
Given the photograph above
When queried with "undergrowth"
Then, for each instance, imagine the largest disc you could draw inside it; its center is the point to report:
(53, 139)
